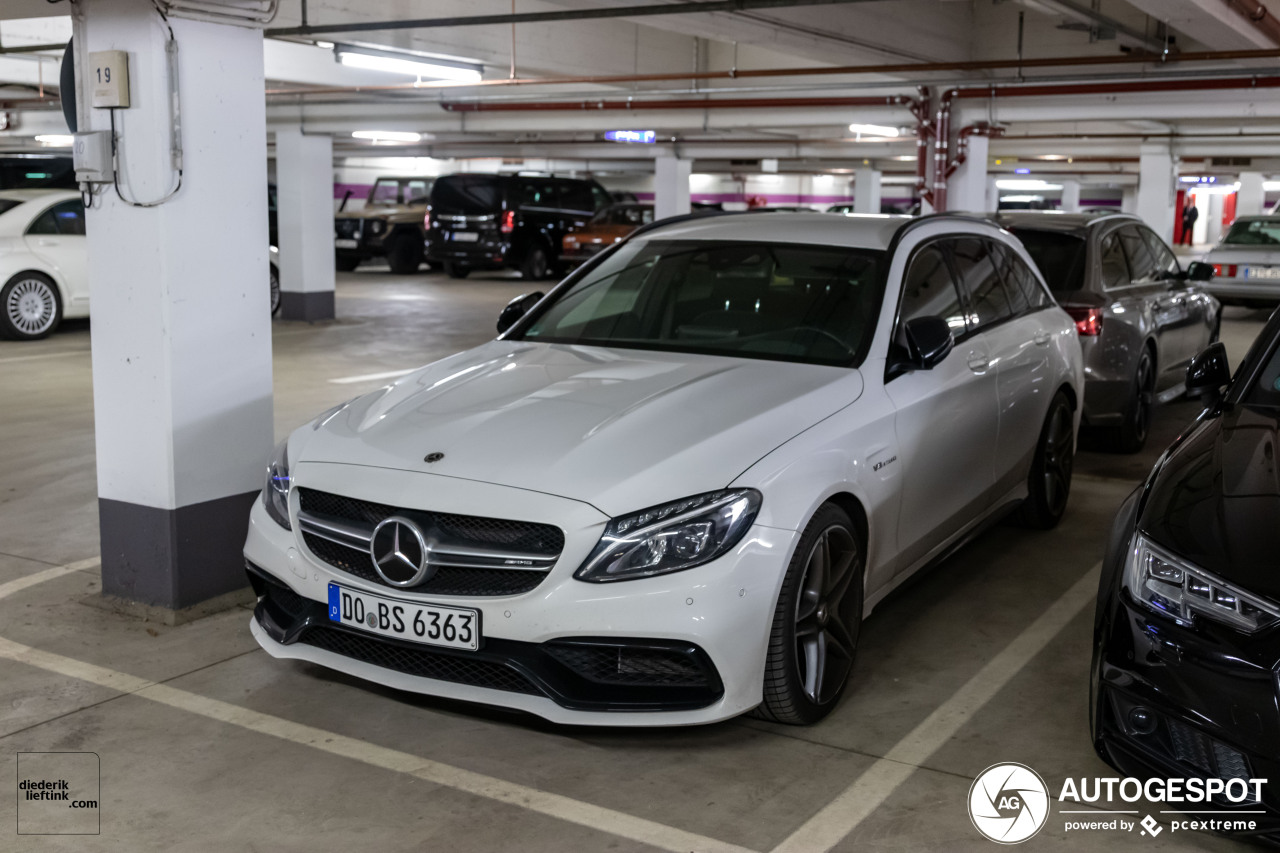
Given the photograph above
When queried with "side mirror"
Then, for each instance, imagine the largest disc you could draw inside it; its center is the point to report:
(517, 308)
(1199, 271)
(1209, 371)
(929, 341)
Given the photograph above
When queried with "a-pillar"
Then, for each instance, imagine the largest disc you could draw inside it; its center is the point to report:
(1251, 197)
(181, 305)
(671, 187)
(967, 188)
(1157, 189)
(1070, 197)
(304, 211)
(866, 190)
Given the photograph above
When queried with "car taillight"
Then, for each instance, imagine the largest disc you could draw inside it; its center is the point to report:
(508, 222)
(1229, 270)
(1088, 320)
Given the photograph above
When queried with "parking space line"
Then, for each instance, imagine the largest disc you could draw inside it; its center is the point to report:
(369, 377)
(43, 356)
(556, 806)
(843, 814)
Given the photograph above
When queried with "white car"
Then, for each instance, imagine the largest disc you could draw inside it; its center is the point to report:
(672, 489)
(43, 261)
(1246, 263)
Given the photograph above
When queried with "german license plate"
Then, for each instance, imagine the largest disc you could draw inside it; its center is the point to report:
(454, 627)
(465, 236)
(345, 243)
(1271, 273)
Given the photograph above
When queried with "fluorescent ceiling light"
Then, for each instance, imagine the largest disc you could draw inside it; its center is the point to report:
(874, 130)
(387, 135)
(1270, 186)
(1017, 198)
(60, 140)
(904, 157)
(408, 64)
(1026, 185)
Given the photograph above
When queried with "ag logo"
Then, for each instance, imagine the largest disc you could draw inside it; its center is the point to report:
(1008, 803)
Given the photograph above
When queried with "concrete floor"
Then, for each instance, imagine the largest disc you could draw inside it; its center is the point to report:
(206, 743)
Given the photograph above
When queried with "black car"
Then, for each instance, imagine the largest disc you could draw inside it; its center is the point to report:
(1187, 632)
(506, 221)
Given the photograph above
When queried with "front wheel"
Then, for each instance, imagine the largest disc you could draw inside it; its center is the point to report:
(30, 307)
(1049, 482)
(456, 270)
(345, 263)
(815, 623)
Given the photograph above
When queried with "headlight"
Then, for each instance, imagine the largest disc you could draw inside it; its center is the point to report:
(1170, 585)
(275, 494)
(671, 537)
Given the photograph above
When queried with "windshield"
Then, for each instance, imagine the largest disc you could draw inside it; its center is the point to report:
(1059, 256)
(814, 304)
(1254, 232)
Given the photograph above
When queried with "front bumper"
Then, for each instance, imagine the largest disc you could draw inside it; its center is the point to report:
(487, 252)
(1183, 702)
(714, 618)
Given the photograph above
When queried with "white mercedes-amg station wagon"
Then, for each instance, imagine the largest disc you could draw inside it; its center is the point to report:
(674, 486)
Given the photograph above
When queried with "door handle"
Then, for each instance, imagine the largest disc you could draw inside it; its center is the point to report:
(1042, 338)
(978, 362)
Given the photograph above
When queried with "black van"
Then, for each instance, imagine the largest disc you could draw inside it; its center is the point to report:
(497, 221)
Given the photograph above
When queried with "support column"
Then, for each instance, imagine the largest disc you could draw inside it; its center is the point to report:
(1070, 197)
(866, 190)
(304, 208)
(1129, 200)
(1251, 197)
(967, 188)
(181, 304)
(671, 187)
(1157, 189)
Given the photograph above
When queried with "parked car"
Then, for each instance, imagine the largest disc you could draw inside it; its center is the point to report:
(1139, 315)
(390, 226)
(43, 261)
(1185, 637)
(1246, 264)
(670, 490)
(607, 227)
(507, 221)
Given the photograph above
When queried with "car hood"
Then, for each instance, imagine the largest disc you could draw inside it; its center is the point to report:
(1216, 500)
(619, 429)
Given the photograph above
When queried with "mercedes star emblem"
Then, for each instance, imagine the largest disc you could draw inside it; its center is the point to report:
(400, 552)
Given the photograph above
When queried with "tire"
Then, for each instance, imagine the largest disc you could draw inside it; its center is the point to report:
(404, 255)
(345, 263)
(814, 636)
(30, 307)
(534, 267)
(275, 290)
(456, 271)
(1049, 481)
(1131, 435)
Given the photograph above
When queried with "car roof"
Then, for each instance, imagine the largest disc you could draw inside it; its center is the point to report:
(34, 194)
(856, 230)
(1053, 220)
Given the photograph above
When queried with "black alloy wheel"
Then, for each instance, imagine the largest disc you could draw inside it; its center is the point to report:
(816, 622)
(275, 290)
(535, 266)
(1049, 482)
(1131, 435)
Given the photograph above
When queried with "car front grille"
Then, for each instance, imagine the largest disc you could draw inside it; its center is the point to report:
(347, 228)
(471, 555)
(421, 662)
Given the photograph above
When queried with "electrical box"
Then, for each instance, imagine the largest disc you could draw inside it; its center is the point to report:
(91, 155)
(109, 78)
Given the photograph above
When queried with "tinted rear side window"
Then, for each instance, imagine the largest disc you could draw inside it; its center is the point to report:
(467, 194)
(1059, 256)
(1025, 291)
(1141, 263)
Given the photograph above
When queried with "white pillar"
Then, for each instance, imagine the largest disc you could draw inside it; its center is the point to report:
(181, 307)
(1251, 197)
(671, 187)
(967, 188)
(993, 194)
(866, 190)
(1070, 197)
(304, 211)
(1129, 200)
(1210, 220)
(1157, 189)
